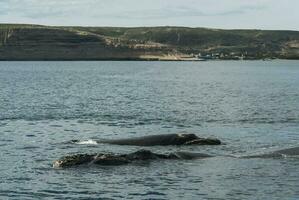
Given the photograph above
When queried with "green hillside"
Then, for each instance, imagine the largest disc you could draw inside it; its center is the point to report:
(35, 42)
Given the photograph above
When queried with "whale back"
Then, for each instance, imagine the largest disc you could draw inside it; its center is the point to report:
(166, 139)
(290, 152)
(190, 155)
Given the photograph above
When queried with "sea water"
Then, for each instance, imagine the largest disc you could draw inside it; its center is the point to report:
(252, 106)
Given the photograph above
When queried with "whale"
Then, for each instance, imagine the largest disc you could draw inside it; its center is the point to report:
(161, 140)
(110, 159)
(283, 153)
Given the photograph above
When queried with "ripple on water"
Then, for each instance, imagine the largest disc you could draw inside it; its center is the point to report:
(30, 135)
(251, 106)
(56, 125)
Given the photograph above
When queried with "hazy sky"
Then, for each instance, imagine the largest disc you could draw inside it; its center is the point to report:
(260, 14)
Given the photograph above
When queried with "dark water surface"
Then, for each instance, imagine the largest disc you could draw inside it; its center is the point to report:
(252, 106)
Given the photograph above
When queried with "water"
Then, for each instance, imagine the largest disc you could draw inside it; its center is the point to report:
(252, 106)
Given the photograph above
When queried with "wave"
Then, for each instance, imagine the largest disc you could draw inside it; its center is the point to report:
(89, 141)
(132, 120)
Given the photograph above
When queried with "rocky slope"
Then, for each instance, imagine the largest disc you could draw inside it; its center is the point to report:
(35, 42)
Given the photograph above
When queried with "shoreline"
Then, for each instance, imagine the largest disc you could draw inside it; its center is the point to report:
(44, 43)
(140, 60)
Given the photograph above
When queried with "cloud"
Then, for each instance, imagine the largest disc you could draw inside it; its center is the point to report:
(111, 8)
(34, 8)
(188, 12)
(211, 13)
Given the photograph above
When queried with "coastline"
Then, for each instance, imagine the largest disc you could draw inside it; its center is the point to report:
(53, 43)
(143, 60)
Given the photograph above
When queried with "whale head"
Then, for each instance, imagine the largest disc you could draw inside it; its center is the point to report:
(73, 160)
(182, 138)
(204, 141)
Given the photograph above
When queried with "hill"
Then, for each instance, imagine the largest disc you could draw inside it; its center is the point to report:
(36, 42)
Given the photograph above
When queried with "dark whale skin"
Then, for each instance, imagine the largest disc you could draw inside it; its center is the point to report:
(121, 159)
(161, 140)
(290, 152)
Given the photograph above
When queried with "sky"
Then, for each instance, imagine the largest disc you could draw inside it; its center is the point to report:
(227, 14)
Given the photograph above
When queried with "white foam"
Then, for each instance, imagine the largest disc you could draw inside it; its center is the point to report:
(87, 142)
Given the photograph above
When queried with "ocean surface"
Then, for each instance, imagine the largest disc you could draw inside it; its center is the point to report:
(252, 106)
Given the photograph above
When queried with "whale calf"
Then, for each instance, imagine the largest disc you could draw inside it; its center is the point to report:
(163, 140)
(121, 159)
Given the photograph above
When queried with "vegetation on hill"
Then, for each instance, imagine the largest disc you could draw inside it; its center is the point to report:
(36, 42)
